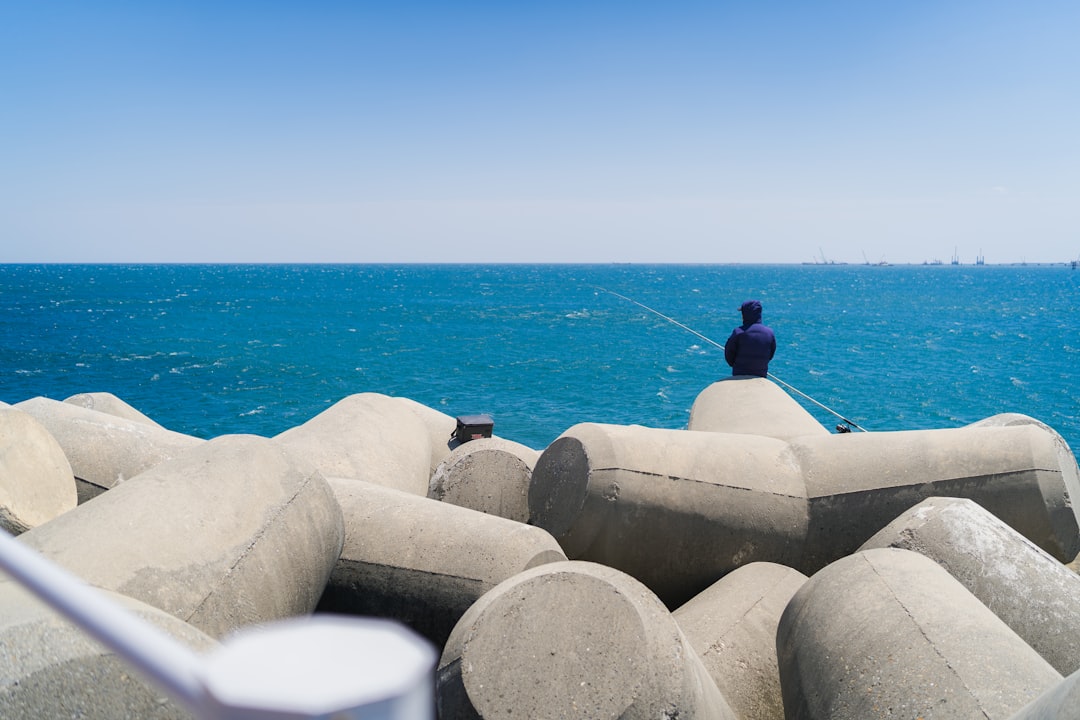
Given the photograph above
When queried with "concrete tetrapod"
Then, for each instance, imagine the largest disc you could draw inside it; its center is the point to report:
(573, 639)
(489, 475)
(108, 403)
(889, 633)
(859, 482)
(751, 406)
(678, 509)
(50, 668)
(1036, 596)
(1066, 458)
(36, 481)
(366, 436)
(423, 562)
(105, 450)
(440, 428)
(732, 627)
(234, 532)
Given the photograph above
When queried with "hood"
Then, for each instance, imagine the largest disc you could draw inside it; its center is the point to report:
(751, 312)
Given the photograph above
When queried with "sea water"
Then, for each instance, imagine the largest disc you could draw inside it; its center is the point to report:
(214, 349)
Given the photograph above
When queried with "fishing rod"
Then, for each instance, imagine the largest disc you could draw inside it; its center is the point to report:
(691, 330)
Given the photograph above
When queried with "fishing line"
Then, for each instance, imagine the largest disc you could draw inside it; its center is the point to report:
(793, 389)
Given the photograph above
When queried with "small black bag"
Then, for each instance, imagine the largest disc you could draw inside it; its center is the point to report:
(471, 427)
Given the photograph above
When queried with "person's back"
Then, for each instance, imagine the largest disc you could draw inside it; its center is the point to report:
(752, 345)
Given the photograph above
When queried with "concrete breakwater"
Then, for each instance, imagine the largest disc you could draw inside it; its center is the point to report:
(740, 568)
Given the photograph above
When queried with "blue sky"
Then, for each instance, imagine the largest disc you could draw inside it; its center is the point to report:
(547, 132)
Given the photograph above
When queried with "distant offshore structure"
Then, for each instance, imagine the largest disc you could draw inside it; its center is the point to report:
(980, 259)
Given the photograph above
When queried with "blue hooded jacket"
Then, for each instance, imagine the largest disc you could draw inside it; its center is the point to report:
(752, 345)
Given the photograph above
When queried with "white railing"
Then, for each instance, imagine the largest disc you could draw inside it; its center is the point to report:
(317, 667)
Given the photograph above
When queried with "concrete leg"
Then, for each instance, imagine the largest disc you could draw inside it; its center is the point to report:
(234, 532)
(860, 482)
(732, 627)
(489, 475)
(1036, 596)
(36, 480)
(423, 562)
(105, 450)
(367, 436)
(888, 632)
(110, 404)
(573, 639)
(751, 406)
(677, 509)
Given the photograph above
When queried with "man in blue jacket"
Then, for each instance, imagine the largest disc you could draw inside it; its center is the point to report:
(751, 345)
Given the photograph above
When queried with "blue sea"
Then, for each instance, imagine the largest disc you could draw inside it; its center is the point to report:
(215, 349)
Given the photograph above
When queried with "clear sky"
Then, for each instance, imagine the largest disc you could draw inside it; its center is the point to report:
(554, 131)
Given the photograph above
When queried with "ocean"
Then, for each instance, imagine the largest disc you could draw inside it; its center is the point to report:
(213, 349)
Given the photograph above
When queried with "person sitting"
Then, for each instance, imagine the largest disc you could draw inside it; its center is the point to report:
(752, 344)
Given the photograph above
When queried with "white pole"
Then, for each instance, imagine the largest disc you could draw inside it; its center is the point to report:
(169, 664)
(317, 667)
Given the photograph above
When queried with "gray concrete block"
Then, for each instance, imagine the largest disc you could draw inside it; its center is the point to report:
(1036, 596)
(36, 480)
(732, 627)
(751, 406)
(1067, 463)
(235, 531)
(105, 450)
(367, 436)
(573, 639)
(859, 482)
(676, 509)
(108, 403)
(423, 562)
(440, 428)
(489, 475)
(50, 668)
(889, 633)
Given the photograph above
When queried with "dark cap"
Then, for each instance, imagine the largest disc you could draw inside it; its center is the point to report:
(750, 305)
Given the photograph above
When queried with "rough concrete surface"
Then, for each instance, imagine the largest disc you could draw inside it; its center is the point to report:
(489, 475)
(423, 562)
(235, 531)
(366, 436)
(751, 406)
(677, 509)
(36, 480)
(1037, 596)
(105, 450)
(51, 669)
(440, 427)
(573, 639)
(889, 633)
(732, 627)
(108, 403)
(859, 482)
